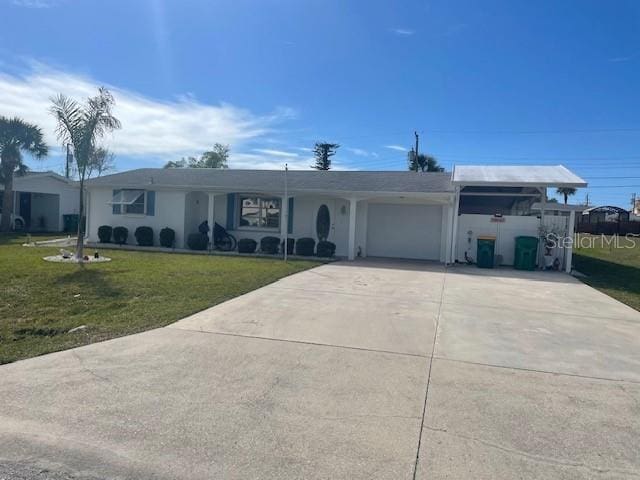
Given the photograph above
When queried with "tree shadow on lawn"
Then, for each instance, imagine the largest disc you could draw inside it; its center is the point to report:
(609, 275)
(92, 281)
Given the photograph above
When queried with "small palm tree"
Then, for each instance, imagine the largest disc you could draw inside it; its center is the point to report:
(16, 137)
(82, 126)
(422, 163)
(566, 192)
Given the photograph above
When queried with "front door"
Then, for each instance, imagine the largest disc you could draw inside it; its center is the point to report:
(24, 207)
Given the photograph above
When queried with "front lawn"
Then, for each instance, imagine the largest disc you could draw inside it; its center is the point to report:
(41, 301)
(610, 267)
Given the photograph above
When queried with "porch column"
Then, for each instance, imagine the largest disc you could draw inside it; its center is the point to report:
(211, 217)
(569, 255)
(353, 203)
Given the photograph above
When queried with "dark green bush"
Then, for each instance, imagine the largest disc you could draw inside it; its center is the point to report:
(120, 235)
(290, 243)
(269, 244)
(167, 237)
(198, 241)
(144, 236)
(305, 246)
(247, 245)
(104, 233)
(326, 249)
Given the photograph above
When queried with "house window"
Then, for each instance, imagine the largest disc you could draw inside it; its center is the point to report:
(259, 212)
(131, 202)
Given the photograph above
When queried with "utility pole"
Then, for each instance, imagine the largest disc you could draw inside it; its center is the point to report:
(285, 220)
(633, 203)
(417, 141)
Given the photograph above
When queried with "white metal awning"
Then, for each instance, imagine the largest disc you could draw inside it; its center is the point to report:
(516, 176)
(126, 197)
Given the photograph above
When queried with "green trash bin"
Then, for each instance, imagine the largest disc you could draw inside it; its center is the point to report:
(526, 253)
(70, 222)
(486, 251)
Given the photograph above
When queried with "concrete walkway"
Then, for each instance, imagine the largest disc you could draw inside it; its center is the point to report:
(365, 370)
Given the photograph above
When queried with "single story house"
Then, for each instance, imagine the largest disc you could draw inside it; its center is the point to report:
(430, 216)
(42, 199)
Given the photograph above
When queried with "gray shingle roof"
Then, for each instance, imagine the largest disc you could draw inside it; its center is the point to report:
(273, 180)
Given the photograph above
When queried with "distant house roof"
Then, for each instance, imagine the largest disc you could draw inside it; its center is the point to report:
(47, 173)
(273, 180)
(529, 175)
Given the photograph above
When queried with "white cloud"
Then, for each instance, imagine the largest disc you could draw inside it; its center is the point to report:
(35, 3)
(150, 127)
(623, 59)
(398, 148)
(403, 32)
(359, 152)
(276, 153)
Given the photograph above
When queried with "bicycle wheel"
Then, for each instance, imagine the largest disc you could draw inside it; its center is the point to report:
(227, 243)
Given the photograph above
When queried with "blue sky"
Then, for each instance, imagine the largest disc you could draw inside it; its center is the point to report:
(508, 82)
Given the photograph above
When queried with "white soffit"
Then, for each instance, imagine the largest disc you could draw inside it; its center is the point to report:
(519, 176)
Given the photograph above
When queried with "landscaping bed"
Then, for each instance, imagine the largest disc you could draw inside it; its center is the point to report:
(41, 301)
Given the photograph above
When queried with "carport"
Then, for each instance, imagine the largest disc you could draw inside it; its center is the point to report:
(510, 201)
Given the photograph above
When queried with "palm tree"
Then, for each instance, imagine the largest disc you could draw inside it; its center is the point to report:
(566, 192)
(16, 137)
(423, 163)
(82, 126)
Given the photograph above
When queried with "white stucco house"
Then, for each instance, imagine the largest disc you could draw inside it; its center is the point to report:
(429, 216)
(42, 199)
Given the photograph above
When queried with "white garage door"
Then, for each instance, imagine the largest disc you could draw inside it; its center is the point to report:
(404, 231)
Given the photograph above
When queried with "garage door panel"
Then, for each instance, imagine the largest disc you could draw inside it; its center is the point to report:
(404, 231)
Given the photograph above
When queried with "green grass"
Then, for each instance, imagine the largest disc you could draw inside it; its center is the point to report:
(614, 271)
(41, 301)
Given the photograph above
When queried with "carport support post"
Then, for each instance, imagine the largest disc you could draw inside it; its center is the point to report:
(351, 254)
(454, 226)
(569, 255)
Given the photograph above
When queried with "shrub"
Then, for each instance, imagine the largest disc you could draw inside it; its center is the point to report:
(305, 246)
(290, 243)
(269, 244)
(198, 241)
(120, 235)
(144, 236)
(167, 237)
(247, 245)
(326, 249)
(104, 233)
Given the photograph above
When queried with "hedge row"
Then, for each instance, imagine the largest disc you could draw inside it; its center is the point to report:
(305, 246)
(143, 236)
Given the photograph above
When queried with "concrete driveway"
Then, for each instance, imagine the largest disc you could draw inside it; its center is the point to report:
(364, 370)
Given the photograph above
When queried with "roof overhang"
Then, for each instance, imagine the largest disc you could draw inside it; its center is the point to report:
(542, 176)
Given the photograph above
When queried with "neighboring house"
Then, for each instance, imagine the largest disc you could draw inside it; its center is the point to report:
(42, 199)
(382, 214)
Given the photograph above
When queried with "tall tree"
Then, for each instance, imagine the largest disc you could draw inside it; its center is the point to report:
(16, 137)
(100, 161)
(423, 163)
(82, 125)
(566, 192)
(323, 153)
(217, 157)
